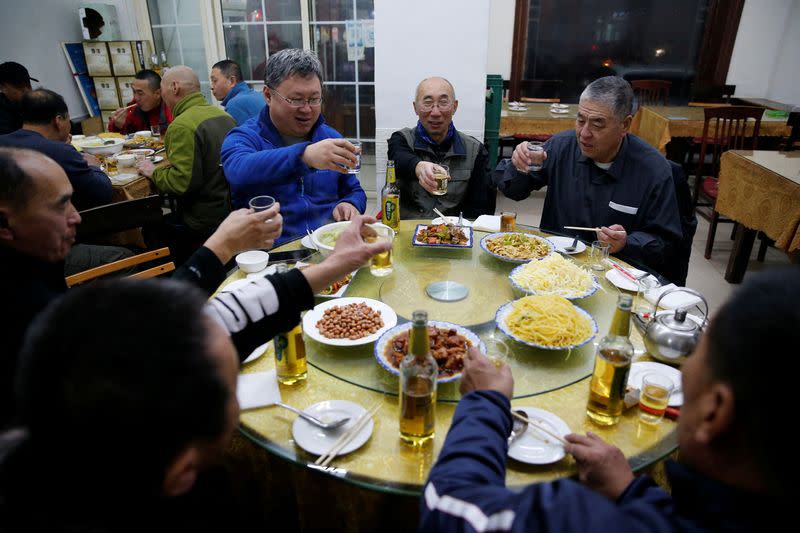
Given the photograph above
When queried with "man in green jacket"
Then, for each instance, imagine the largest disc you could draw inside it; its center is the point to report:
(193, 142)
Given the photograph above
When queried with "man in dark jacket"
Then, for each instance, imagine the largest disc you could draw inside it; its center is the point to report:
(14, 83)
(435, 141)
(733, 473)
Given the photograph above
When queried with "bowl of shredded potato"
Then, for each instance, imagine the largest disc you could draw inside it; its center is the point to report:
(554, 275)
(517, 247)
(546, 322)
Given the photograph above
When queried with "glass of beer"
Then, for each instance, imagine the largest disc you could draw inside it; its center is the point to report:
(381, 265)
(496, 351)
(441, 173)
(508, 221)
(654, 397)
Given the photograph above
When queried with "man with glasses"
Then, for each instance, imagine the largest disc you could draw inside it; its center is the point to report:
(291, 154)
(433, 142)
(601, 176)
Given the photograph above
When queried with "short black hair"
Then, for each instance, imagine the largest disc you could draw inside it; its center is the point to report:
(41, 106)
(16, 185)
(152, 77)
(757, 329)
(229, 69)
(118, 373)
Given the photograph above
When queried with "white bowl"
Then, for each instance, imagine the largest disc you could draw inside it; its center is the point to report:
(252, 261)
(143, 133)
(98, 146)
(126, 160)
(326, 248)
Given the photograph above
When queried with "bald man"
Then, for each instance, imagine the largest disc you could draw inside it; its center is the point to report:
(435, 141)
(193, 142)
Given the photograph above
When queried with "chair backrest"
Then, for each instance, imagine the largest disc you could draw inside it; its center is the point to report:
(794, 123)
(94, 273)
(651, 92)
(676, 266)
(711, 94)
(726, 128)
(545, 91)
(119, 216)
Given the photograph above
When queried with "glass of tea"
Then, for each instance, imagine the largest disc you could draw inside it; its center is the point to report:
(508, 221)
(654, 397)
(441, 173)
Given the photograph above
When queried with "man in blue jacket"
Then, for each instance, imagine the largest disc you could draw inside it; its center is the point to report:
(288, 151)
(733, 474)
(228, 86)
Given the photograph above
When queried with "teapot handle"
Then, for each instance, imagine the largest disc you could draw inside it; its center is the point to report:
(690, 291)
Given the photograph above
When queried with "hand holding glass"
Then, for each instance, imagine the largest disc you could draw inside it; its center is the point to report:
(261, 203)
(441, 173)
(538, 148)
(380, 265)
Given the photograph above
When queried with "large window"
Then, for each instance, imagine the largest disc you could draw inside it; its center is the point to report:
(577, 41)
(340, 31)
(177, 30)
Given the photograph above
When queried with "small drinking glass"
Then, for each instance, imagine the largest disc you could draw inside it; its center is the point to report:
(535, 146)
(654, 397)
(441, 173)
(508, 221)
(381, 264)
(496, 351)
(261, 203)
(357, 168)
(156, 130)
(599, 255)
(641, 306)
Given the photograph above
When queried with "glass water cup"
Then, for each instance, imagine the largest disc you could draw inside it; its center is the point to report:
(654, 397)
(156, 130)
(535, 146)
(357, 168)
(496, 351)
(641, 306)
(441, 173)
(599, 255)
(381, 264)
(508, 221)
(261, 203)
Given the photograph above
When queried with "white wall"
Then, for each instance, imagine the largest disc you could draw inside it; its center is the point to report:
(450, 40)
(501, 37)
(31, 33)
(764, 63)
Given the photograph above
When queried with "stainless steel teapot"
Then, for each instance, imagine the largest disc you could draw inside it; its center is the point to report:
(671, 337)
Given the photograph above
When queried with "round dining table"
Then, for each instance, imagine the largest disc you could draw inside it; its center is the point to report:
(553, 380)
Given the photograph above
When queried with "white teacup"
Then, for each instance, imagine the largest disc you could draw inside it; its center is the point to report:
(126, 160)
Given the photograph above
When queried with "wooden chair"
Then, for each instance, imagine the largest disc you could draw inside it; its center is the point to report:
(651, 92)
(734, 127)
(710, 95)
(94, 273)
(103, 220)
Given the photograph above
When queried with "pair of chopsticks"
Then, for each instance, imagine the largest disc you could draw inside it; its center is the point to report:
(538, 427)
(349, 435)
(627, 274)
(581, 228)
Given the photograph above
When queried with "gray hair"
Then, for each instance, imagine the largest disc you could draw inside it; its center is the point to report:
(613, 92)
(290, 62)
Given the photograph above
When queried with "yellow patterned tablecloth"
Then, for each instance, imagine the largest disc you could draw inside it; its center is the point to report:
(537, 118)
(552, 380)
(658, 125)
(761, 189)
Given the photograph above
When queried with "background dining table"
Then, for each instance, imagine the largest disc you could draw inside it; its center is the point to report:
(535, 118)
(658, 125)
(385, 472)
(761, 191)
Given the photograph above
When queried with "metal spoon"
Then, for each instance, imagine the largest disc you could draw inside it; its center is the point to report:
(314, 420)
(518, 427)
(573, 246)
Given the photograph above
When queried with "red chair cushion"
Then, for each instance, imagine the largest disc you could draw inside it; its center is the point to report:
(710, 187)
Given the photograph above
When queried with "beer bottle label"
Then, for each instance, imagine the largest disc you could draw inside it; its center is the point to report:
(389, 209)
(281, 343)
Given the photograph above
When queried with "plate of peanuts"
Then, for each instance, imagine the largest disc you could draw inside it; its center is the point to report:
(348, 321)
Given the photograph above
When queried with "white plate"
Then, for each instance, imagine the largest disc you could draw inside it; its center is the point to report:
(557, 111)
(123, 178)
(563, 242)
(318, 441)
(517, 108)
(559, 106)
(157, 159)
(258, 352)
(502, 314)
(622, 282)
(421, 227)
(451, 220)
(311, 318)
(342, 289)
(380, 346)
(590, 291)
(638, 370)
(536, 447)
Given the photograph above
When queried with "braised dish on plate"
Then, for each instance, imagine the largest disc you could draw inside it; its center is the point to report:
(442, 234)
(448, 347)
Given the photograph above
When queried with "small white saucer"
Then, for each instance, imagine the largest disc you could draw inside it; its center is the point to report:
(258, 352)
(536, 447)
(318, 441)
(563, 242)
(622, 282)
(451, 220)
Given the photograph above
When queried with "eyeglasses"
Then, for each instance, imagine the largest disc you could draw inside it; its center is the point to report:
(299, 102)
(443, 105)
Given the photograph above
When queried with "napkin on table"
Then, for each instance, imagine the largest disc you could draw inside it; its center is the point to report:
(674, 300)
(257, 389)
(490, 223)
